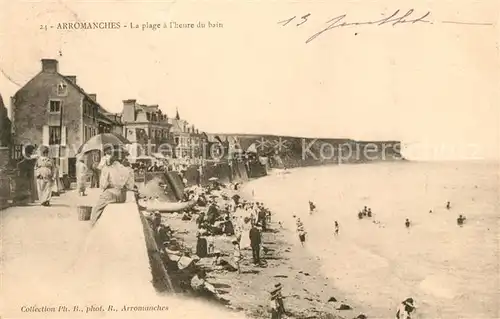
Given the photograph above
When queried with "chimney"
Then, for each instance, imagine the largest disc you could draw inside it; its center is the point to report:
(93, 96)
(128, 114)
(49, 65)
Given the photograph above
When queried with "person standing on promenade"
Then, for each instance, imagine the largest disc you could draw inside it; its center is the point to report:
(94, 178)
(255, 241)
(81, 176)
(44, 172)
(26, 169)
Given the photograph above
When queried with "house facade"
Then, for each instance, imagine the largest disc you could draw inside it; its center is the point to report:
(146, 126)
(52, 109)
(187, 140)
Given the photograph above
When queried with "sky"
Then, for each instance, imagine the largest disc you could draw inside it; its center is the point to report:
(431, 85)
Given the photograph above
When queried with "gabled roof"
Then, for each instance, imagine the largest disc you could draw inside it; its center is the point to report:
(102, 111)
(177, 126)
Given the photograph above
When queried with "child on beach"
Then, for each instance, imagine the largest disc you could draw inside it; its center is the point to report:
(236, 260)
(405, 309)
(277, 305)
(301, 232)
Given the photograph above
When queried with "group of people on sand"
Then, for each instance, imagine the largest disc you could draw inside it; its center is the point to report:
(221, 216)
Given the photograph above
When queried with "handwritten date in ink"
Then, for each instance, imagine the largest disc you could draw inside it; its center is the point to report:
(340, 21)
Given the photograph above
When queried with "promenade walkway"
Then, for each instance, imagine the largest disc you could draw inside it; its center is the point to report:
(39, 245)
(52, 267)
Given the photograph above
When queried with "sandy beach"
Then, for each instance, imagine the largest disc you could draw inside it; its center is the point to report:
(307, 292)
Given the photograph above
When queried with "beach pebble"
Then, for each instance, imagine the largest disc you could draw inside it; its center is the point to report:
(332, 299)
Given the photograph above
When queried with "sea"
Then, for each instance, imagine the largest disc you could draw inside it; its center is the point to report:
(450, 271)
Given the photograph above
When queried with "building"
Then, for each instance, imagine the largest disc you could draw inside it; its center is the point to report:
(5, 126)
(147, 126)
(52, 109)
(187, 140)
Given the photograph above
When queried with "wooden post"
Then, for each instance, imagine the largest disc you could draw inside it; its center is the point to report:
(60, 137)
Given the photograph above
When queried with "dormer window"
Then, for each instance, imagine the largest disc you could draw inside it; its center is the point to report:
(62, 89)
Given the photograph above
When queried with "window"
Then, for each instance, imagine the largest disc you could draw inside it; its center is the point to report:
(54, 135)
(55, 106)
(148, 116)
(62, 89)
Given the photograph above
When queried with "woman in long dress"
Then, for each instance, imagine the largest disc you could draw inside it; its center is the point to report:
(81, 176)
(245, 238)
(44, 172)
(115, 180)
(57, 186)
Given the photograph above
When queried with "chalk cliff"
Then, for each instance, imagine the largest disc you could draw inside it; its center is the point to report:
(302, 151)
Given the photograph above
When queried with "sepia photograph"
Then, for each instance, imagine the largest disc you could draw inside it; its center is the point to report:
(250, 159)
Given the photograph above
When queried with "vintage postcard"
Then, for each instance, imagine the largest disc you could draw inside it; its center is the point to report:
(249, 159)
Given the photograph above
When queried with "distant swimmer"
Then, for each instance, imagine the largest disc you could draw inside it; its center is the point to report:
(460, 220)
(448, 205)
(405, 309)
(312, 207)
(430, 212)
(365, 211)
(407, 223)
(336, 228)
(369, 212)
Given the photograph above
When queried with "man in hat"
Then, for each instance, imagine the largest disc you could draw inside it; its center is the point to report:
(255, 241)
(405, 309)
(277, 305)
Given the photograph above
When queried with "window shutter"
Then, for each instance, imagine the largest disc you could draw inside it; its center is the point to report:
(64, 135)
(45, 135)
